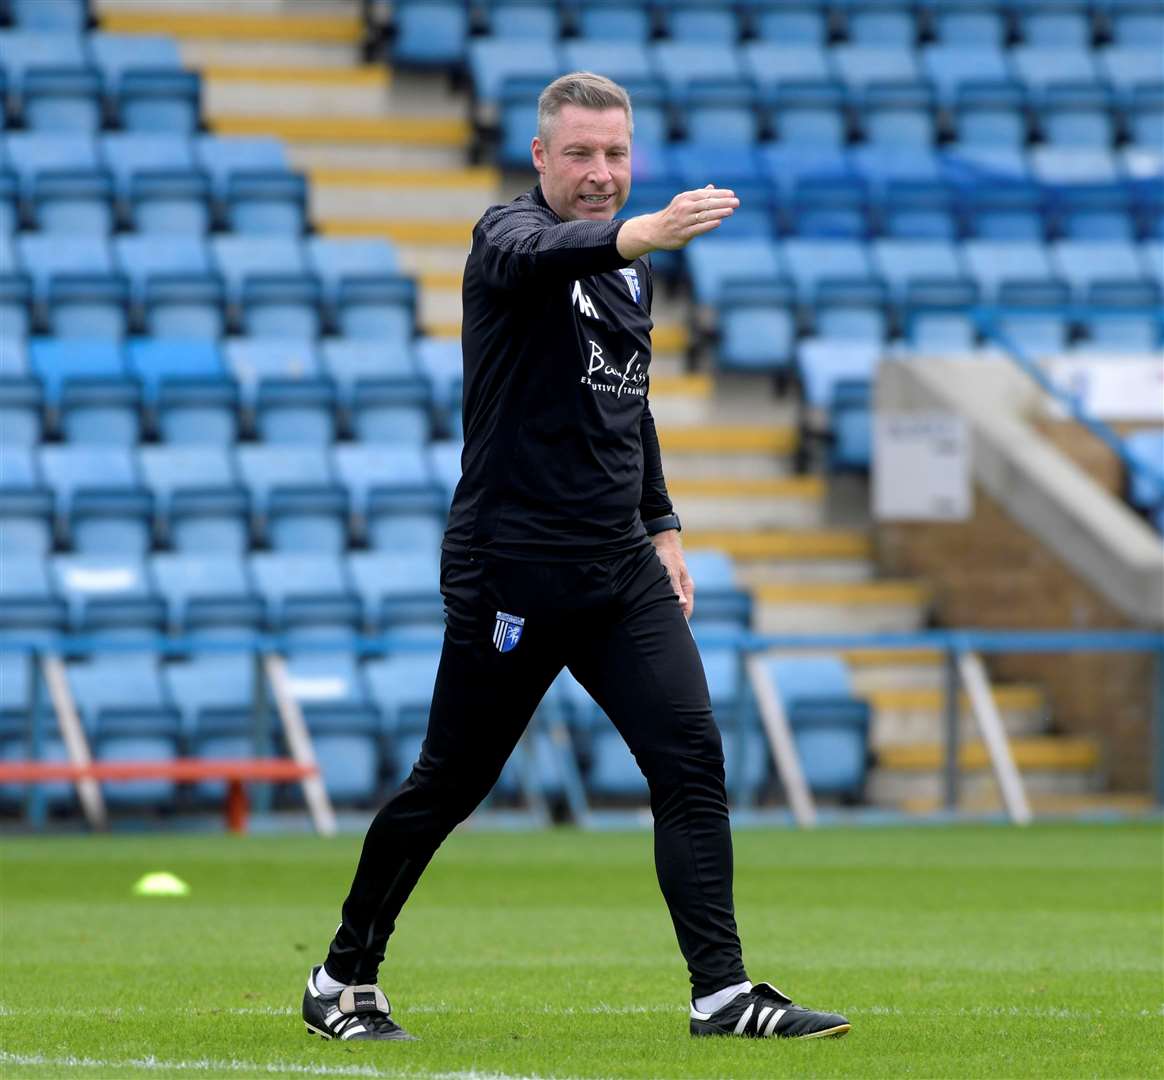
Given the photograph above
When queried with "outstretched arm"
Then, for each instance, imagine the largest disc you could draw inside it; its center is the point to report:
(690, 214)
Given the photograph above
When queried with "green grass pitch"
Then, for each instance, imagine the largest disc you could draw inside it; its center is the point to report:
(955, 951)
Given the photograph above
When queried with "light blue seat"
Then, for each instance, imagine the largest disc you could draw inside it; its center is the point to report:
(991, 114)
(88, 306)
(694, 163)
(901, 262)
(153, 100)
(445, 458)
(802, 23)
(1094, 213)
(115, 54)
(185, 306)
(305, 592)
(126, 153)
(1062, 24)
(1038, 66)
(25, 50)
(29, 602)
(786, 166)
(1082, 263)
(1125, 316)
(401, 685)
(9, 209)
(713, 261)
(771, 63)
(970, 23)
(270, 259)
(205, 592)
(917, 210)
(266, 203)
(1137, 22)
(951, 65)
(938, 320)
(492, 61)
(700, 21)
(350, 362)
(1073, 115)
(810, 262)
(1010, 212)
(831, 208)
(141, 257)
(398, 590)
(679, 63)
(1145, 492)
(824, 363)
(721, 114)
(87, 382)
(757, 325)
(611, 21)
(335, 260)
(159, 182)
(529, 20)
(430, 32)
(21, 397)
(298, 501)
(44, 257)
(881, 24)
(32, 153)
(397, 502)
(1152, 260)
(60, 99)
(1145, 118)
(376, 308)
(855, 310)
(26, 504)
(859, 66)
(1124, 67)
(721, 601)
(809, 115)
(282, 381)
(381, 389)
(223, 156)
(16, 311)
(1037, 333)
(58, 16)
(992, 262)
(201, 504)
(68, 202)
(108, 593)
(101, 502)
(624, 60)
(898, 115)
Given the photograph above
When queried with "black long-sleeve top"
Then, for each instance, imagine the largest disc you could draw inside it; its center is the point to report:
(561, 458)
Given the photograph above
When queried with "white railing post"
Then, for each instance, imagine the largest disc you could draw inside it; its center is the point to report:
(73, 735)
(775, 722)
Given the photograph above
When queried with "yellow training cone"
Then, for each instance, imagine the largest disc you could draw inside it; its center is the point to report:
(161, 883)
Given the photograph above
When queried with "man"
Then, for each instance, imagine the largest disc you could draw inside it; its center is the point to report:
(563, 549)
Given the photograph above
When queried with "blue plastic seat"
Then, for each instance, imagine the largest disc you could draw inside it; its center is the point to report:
(336, 260)
(305, 592)
(207, 592)
(30, 153)
(266, 203)
(1124, 316)
(721, 114)
(44, 257)
(1152, 260)
(193, 398)
(25, 50)
(1060, 24)
(68, 202)
(110, 593)
(29, 603)
(240, 257)
(224, 156)
(16, 311)
(26, 504)
(624, 60)
(791, 22)
(832, 208)
(810, 262)
(1074, 115)
(281, 380)
(185, 306)
(722, 603)
(299, 504)
(127, 153)
(809, 115)
(376, 308)
(851, 310)
(757, 326)
(1006, 212)
(951, 65)
(898, 115)
(201, 504)
(700, 21)
(938, 320)
(59, 16)
(1094, 213)
(992, 262)
(492, 61)
(398, 590)
(860, 66)
(430, 32)
(88, 306)
(610, 21)
(282, 304)
(380, 388)
(401, 685)
(970, 23)
(1037, 332)
(87, 382)
(679, 63)
(170, 201)
(916, 210)
(1083, 263)
(1124, 67)
(1137, 22)
(902, 262)
(1145, 492)
(9, 206)
(143, 257)
(772, 63)
(837, 377)
(21, 397)
(159, 100)
(882, 23)
(714, 260)
(1038, 66)
(529, 20)
(1145, 117)
(59, 99)
(991, 114)
(445, 458)
(397, 502)
(117, 54)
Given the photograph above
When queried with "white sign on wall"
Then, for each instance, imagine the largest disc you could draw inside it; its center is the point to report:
(921, 467)
(1111, 388)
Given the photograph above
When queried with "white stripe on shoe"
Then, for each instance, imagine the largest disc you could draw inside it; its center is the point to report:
(744, 1018)
(772, 1023)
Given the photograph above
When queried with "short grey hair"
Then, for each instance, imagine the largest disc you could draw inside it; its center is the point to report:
(585, 89)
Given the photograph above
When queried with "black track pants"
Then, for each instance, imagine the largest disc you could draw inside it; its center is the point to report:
(618, 626)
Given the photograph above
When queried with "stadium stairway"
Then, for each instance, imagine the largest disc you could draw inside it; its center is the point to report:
(386, 153)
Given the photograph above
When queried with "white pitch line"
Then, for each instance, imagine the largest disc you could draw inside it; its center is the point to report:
(153, 1064)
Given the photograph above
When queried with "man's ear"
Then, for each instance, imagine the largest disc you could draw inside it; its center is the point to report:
(537, 151)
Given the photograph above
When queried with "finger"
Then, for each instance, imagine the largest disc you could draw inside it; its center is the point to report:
(710, 217)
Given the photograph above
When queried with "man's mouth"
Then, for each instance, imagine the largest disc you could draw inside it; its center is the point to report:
(598, 200)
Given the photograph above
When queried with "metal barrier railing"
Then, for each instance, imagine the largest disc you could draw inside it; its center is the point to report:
(959, 648)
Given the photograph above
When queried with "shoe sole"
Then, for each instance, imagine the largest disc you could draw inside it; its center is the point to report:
(327, 1035)
(827, 1033)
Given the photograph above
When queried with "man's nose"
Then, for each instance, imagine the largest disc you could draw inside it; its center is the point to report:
(600, 174)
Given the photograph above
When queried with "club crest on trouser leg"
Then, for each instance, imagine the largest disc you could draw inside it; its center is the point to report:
(507, 631)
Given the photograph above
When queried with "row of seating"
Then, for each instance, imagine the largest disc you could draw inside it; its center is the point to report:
(27, 50)
(149, 183)
(204, 498)
(438, 32)
(1144, 490)
(367, 720)
(50, 15)
(187, 287)
(943, 70)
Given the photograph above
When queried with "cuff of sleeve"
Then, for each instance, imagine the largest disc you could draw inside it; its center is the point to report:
(662, 524)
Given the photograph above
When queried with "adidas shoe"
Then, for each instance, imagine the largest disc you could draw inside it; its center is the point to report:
(356, 1012)
(765, 1013)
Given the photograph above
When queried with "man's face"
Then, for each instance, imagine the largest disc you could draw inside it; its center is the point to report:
(585, 164)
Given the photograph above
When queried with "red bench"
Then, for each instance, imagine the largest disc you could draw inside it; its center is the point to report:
(235, 772)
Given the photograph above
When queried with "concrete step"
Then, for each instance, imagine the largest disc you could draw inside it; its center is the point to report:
(347, 8)
(411, 194)
(923, 792)
(909, 716)
(295, 90)
(722, 439)
(200, 54)
(787, 502)
(413, 128)
(757, 549)
(880, 669)
(232, 22)
(385, 157)
(796, 607)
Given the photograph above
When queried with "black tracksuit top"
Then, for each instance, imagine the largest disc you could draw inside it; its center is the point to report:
(561, 459)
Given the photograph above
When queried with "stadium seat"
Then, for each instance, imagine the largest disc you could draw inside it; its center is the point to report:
(1124, 317)
(774, 63)
(850, 310)
(1145, 117)
(492, 61)
(397, 503)
(992, 262)
(796, 23)
(282, 382)
(266, 202)
(86, 381)
(59, 16)
(898, 115)
(180, 374)
(882, 24)
(1083, 263)
(836, 377)
(721, 600)
(60, 99)
(16, 309)
(831, 208)
(861, 66)
(21, 398)
(720, 114)
(951, 65)
(31, 153)
(1125, 67)
(916, 210)
(970, 23)
(376, 308)
(26, 504)
(809, 114)
(23, 50)
(299, 505)
(170, 201)
(1094, 213)
(306, 592)
(530, 20)
(67, 202)
(9, 206)
(225, 156)
(700, 21)
(201, 504)
(1076, 115)
(1005, 212)
(1060, 24)
(679, 63)
(398, 590)
(43, 257)
(901, 263)
(1145, 491)
(445, 458)
(30, 603)
(108, 593)
(159, 100)
(430, 33)
(143, 257)
(359, 366)
(1152, 260)
(89, 306)
(713, 261)
(938, 319)
(613, 773)
(185, 306)
(757, 325)
(1038, 67)
(990, 114)
(208, 591)
(117, 54)
(812, 261)
(401, 686)
(336, 260)
(126, 153)
(624, 60)
(242, 257)
(1137, 22)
